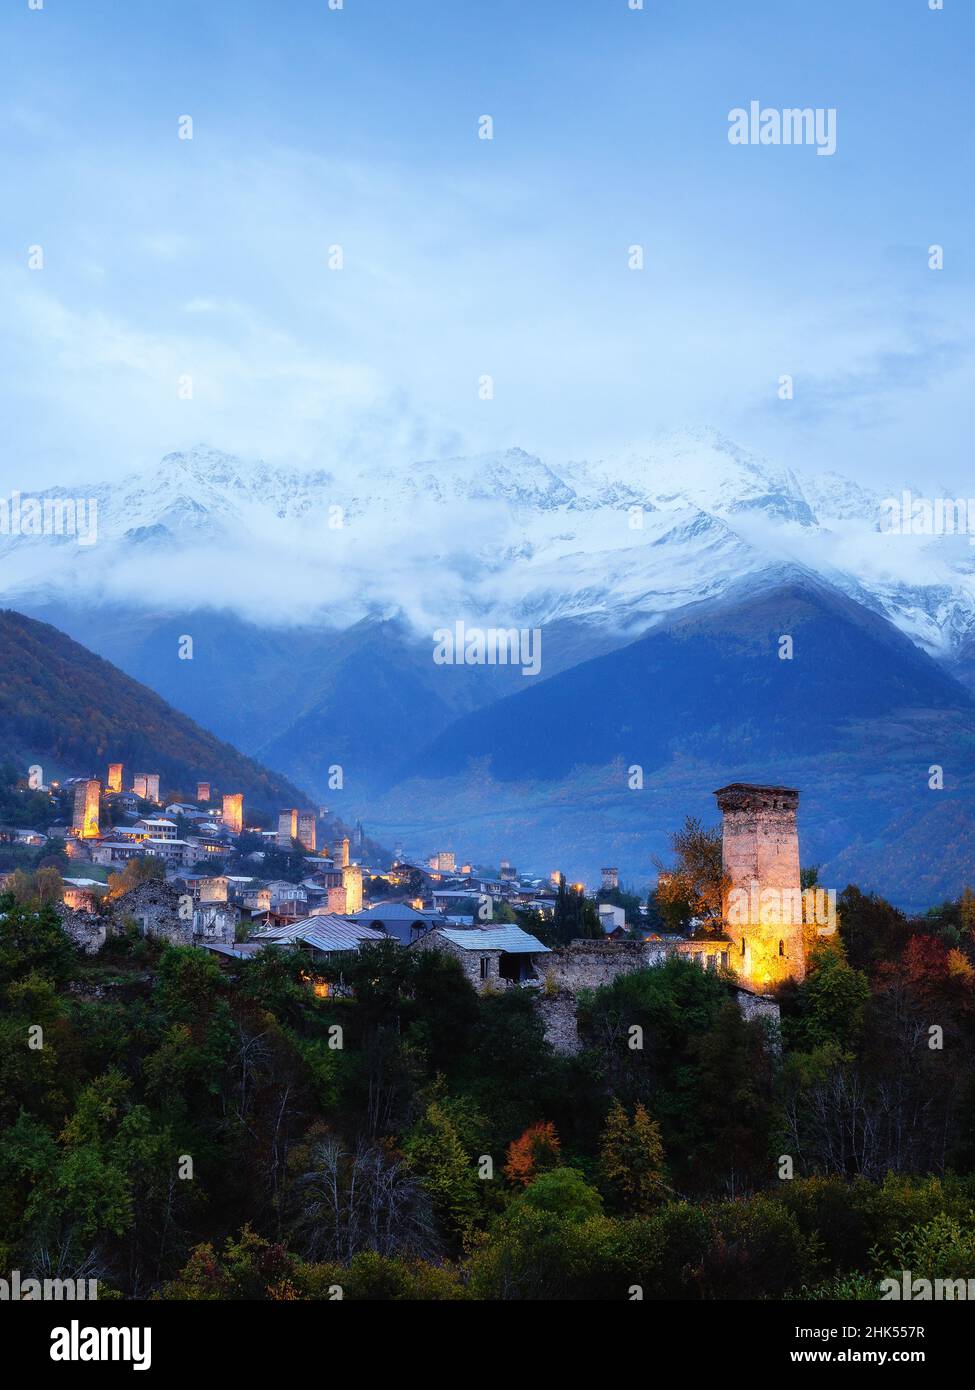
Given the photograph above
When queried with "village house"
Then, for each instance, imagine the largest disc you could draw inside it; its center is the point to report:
(491, 957)
(116, 853)
(156, 828)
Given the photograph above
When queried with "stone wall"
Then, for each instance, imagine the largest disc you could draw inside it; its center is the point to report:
(763, 1009)
(215, 922)
(87, 930)
(589, 964)
(558, 1015)
(159, 910)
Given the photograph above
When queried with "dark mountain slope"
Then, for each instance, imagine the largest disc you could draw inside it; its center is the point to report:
(855, 720)
(709, 686)
(72, 712)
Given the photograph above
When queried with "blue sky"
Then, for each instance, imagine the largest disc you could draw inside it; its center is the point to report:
(463, 257)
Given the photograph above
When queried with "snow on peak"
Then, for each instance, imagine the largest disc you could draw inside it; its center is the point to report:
(622, 539)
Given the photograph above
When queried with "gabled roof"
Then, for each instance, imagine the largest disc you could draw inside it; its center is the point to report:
(510, 939)
(395, 912)
(325, 932)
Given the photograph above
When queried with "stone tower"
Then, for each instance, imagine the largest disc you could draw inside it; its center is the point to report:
(232, 814)
(306, 828)
(762, 905)
(87, 803)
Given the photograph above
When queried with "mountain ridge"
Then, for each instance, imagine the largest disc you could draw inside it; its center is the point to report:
(64, 707)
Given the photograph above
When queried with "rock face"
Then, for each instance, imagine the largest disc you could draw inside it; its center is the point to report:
(763, 899)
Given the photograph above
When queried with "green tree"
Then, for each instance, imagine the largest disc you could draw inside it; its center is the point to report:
(563, 1192)
(437, 1155)
(32, 939)
(575, 917)
(832, 1000)
(631, 1159)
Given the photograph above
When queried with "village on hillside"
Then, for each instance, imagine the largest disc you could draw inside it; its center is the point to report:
(195, 872)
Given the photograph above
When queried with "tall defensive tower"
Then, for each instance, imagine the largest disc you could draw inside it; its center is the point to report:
(762, 905)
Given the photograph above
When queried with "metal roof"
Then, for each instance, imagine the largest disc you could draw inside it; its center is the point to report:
(393, 912)
(325, 932)
(510, 939)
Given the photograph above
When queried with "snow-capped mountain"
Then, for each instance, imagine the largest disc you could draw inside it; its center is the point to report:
(620, 541)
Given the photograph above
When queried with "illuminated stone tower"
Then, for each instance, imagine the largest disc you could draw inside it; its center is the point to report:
(352, 883)
(342, 857)
(146, 786)
(762, 905)
(84, 820)
(203, 791)
(114, 777)
(306, 830)
(233, 812)
(286, 829)
(297, 825)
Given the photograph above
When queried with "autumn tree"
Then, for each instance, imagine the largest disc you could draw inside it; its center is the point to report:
(631, 1158)
(694, 888)
(536, 1151)
(145, 869)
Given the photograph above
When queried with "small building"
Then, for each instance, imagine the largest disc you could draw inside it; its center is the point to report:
(115, 852)
(612, 919)
(159, 910)
(156, 828)
(491, 957)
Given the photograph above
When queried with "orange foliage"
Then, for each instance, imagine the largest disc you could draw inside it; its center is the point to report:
(538, 1148)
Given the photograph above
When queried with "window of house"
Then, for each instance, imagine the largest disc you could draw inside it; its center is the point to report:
(484, 967)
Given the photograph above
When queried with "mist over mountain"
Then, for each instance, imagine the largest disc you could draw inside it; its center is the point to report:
(618, 542)
(659, 579)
